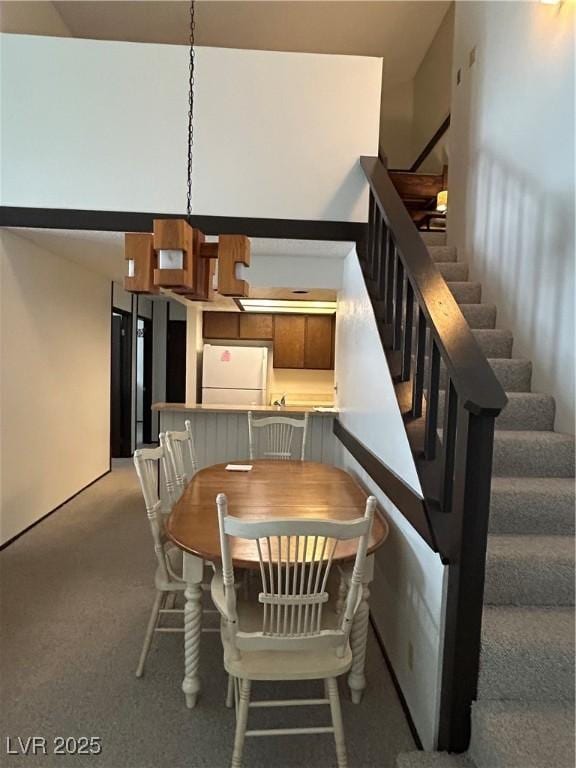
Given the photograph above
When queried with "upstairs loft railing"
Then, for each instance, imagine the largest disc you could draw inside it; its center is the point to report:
(449, 397)
(431, 144)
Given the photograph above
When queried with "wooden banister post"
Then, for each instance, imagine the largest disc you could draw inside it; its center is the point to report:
(465, 592)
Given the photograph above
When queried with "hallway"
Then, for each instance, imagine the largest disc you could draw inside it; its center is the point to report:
(76, 594)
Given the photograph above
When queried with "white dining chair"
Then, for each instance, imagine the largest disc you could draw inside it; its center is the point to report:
(168, 578)
(276, 437)
(182, 455)
(292, 629)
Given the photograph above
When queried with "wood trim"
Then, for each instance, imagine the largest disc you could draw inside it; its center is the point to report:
(431, 144)
(128, 221)
(412, 506)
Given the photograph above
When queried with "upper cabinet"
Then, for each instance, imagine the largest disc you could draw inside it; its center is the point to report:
(256, 326)
(319, 342)
(220, 325)
(289, 341)
(299, 341)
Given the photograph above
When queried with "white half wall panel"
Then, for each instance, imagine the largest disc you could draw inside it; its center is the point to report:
(366, 397)
(102, 125)
(407, 593)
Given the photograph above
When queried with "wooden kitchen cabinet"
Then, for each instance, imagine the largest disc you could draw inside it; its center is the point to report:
(299, 341)
(318, 344)
(220, 325)
(289, 341)
(256, 326)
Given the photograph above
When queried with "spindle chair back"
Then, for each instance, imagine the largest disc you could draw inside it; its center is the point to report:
(182, 455)
(147, 462)
(295, 557)
(276, 436)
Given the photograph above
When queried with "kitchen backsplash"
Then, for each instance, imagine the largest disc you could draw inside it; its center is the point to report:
(302, 387)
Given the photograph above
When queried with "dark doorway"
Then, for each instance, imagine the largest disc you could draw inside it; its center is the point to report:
(121, 385)
(144, 381)
(176, 362)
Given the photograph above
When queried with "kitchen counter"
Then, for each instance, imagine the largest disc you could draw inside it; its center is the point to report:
(215, 408)
(221, 431)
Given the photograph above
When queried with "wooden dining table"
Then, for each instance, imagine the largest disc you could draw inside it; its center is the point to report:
(271, 489)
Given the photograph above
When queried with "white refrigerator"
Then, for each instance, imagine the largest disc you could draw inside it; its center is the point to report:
(235, 375)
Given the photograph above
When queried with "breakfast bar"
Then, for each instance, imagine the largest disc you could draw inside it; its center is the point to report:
(221, 431)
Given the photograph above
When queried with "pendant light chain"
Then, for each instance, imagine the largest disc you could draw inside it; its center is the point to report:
(191, 110)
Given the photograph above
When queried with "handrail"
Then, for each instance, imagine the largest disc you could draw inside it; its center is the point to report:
(422, 328)
(468, 368)
(431, 144)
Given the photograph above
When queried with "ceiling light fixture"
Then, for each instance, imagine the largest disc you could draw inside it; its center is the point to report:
(288, 306)
(176, 256)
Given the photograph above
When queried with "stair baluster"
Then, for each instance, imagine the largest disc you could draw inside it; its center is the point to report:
(418, 382)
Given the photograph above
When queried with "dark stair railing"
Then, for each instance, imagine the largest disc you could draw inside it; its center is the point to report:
(431, 349)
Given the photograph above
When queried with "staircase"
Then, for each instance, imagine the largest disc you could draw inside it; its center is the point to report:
(524, 713)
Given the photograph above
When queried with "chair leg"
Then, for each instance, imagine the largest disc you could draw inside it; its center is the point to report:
(241, 722)
(332, 685)
(230, 692)
(152, 622)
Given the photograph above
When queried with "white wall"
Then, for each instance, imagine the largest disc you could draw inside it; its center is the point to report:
(511, 178)
(194, 346)
(396, 116)
(55, 385)
(121, 298)
(365, 391)
(276, 134)
(295, 272)
(432, 93)
(408, 585)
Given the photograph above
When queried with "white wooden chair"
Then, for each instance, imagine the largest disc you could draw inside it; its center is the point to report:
(296, 628)
(168, 578)
(182, 455)
(277, 436)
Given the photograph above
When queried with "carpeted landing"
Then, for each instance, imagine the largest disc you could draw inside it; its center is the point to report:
(76, 592)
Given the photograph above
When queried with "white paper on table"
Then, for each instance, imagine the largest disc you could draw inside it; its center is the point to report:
(239, 467)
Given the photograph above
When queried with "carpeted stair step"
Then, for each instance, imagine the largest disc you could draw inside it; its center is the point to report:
(434, 238)
(479, 315)
(507, 734)
(532, 506)
(527, 653)
(527, 411)
(514, 374)
(453, 271)
(433, 760)
(467, 292)
(495, 343)
(533, 454)
(442, 253)
(529, 570)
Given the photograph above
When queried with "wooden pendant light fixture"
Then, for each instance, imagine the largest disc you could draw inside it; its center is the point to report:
(175, 256)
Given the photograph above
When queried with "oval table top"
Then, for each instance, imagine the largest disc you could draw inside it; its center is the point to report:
(270, 489)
